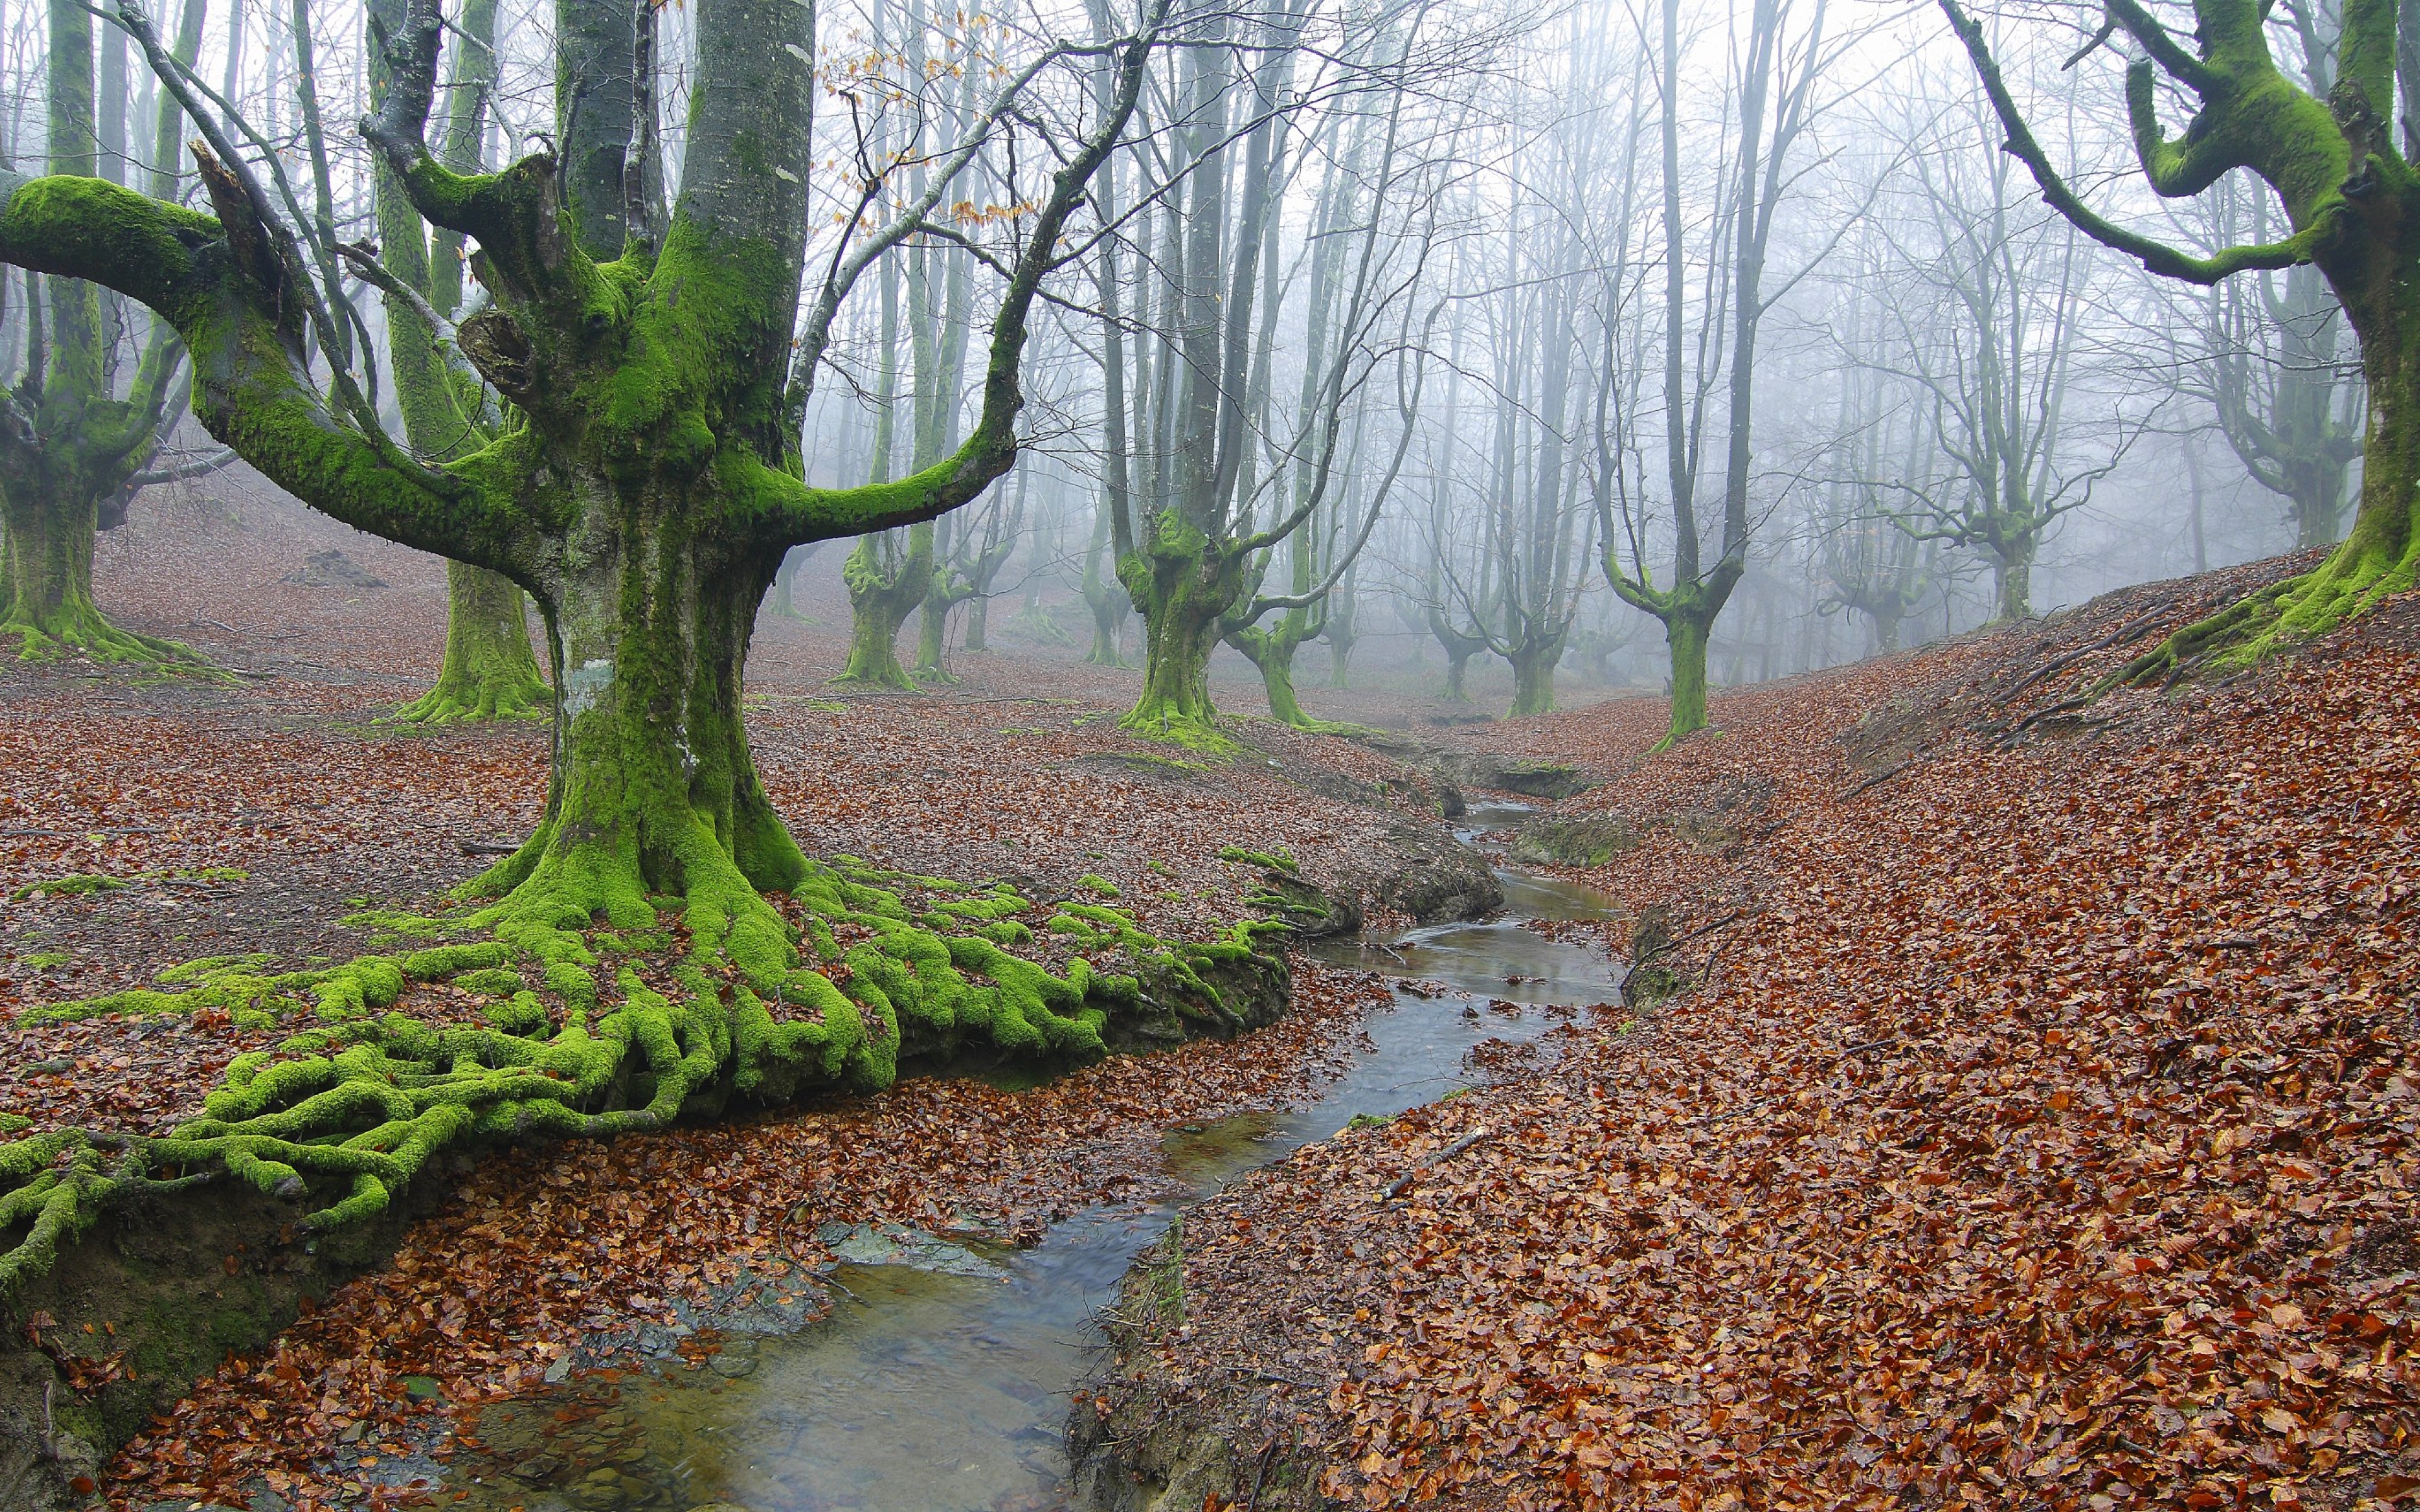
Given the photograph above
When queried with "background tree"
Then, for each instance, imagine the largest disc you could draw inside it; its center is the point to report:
(1985, 335)
(1776, 73)
(77, 430)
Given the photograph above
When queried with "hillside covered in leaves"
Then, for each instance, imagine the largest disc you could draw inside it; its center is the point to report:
(2032, 1124)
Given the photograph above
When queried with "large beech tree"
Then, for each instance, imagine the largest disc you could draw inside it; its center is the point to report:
(2348, 196)
(647, 479)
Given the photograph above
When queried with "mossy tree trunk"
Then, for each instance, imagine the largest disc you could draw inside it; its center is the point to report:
(1686, 637)
(886, 583)
(1533, 676)
(2012, 577)
(1271, 650)
(488, 672)
(68, 441)
(1183, 587)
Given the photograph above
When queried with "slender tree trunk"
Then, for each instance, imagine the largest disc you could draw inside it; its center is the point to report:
(1105, 595)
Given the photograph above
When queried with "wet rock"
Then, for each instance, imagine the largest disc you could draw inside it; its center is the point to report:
(889, 1244)
(1456, 768)
(732, 1366)
(1435, 879)
(597, 1491)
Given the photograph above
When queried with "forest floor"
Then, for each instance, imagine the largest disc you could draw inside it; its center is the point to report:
(2035, 1127)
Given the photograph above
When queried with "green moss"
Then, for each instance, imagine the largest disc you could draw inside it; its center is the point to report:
(495, 981)
(1103, 886)
(350, 1109)
(76, 886)
(1279, 859)
(45, 960)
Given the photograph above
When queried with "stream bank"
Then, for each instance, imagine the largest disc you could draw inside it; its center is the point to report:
(939, 1378)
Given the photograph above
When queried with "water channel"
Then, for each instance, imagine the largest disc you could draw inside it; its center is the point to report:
(940, 1382)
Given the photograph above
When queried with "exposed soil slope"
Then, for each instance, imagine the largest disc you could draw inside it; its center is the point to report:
(2042, 1134)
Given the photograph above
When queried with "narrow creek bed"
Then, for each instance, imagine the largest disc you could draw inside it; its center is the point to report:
(941, 1380)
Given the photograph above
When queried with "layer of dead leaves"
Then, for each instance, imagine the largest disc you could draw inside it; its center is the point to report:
(2044, 1135)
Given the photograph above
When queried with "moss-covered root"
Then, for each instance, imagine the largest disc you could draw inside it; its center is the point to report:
(489, 671)
(2374, 562)
(347, 1111)
(78, 628)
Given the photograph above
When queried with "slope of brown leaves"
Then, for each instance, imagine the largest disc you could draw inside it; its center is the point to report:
(2043, 1138)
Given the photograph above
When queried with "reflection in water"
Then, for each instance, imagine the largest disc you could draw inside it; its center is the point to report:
(934, 1392)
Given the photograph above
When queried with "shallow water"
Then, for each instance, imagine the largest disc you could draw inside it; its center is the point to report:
(927, 1391)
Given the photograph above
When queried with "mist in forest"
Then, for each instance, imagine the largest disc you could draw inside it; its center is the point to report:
(1512, 352)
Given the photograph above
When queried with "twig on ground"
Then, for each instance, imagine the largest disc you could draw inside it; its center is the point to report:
(1878, 780)
(1397, 1187)
(486, 847)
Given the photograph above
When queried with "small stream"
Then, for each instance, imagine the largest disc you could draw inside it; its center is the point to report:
(940, 1382)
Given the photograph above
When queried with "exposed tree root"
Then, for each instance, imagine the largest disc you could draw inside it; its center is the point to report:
(2350, 583)
(600, 1023)
(78, 628)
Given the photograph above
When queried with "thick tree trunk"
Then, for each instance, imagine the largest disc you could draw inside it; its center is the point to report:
(46, 601)
(1685, 636)
(1272, 651)
(1533, 678)
(978, 622)
(932, 634)
(654, 791)
(1183, 589)
(1457, 663)
(2012, 582)
(2319, 487)
(2380, 553)
(490, 672)
(879, 603)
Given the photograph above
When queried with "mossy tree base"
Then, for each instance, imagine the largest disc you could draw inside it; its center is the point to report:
(46, 551)
(2380, 559)
(80, 629)
(489, 671)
